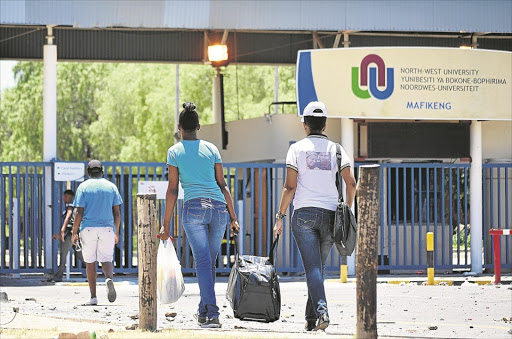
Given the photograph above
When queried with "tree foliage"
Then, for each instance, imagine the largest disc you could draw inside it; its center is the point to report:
(125, 112)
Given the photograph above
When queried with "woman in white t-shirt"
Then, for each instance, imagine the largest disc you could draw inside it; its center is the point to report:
(311, 176)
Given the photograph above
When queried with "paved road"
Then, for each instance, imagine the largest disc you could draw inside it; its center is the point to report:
(404, 310)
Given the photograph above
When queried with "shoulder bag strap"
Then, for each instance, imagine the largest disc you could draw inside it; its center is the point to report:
(338, 173)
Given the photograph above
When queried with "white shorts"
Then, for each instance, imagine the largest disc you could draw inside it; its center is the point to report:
(97, 244)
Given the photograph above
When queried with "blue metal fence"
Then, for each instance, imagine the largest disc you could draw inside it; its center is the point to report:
(22, 215)
(416, 198)
(420, 198)
(497, 210)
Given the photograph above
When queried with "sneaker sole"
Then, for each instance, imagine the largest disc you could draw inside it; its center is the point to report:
(211, 325)
(111, 292)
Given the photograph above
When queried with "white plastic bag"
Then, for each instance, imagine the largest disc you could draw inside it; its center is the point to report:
(170, 284)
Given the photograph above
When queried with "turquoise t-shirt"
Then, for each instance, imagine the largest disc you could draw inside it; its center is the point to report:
(195, 160)
(97, 196)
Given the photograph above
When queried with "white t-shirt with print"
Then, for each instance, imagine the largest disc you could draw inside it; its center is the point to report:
(314, 159)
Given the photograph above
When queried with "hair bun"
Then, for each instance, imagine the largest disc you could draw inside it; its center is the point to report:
(189, 106)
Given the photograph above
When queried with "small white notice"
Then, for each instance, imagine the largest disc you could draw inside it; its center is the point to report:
(158, 187)
(69, 171)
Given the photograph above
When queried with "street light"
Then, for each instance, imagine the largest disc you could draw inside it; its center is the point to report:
(218, 57)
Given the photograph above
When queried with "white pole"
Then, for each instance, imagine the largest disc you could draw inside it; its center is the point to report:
(49, 134)
(16, 235)
(347, 141)
(475, 191)
(216, 99)
(177, 113)
(276, 88)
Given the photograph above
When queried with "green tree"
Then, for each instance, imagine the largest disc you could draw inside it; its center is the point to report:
(125, 112)
(21, 111)
(21, 115)
(135, 113)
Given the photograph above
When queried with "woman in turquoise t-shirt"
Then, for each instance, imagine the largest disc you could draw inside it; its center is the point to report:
(207, 204)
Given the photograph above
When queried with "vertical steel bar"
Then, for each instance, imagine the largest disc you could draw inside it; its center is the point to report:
(228, 240)
(33, 209)
(413, 239)
(466, 215)
(390, 243)
(252, 211)
(269, 208)
(122, 228)
(260, 211)
(397, 217)
(405, 212)
(484, 209)
(244, 213)
(443, 259)
(498, 200)
(507, 221)
(17, 229)
(428, 198)
(129, 264)
(283, 175)
(420, 214)
(26, 220)
(382, 224)
(435, 215)
(458, 215)
(450, 220)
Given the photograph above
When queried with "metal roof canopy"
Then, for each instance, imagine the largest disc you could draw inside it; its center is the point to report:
(259, 32)
(189, 46)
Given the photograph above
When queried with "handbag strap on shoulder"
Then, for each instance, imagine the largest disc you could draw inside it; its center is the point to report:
(338, 173)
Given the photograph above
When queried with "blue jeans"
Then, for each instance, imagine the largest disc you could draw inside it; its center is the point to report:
(205, 221)
(310, 228)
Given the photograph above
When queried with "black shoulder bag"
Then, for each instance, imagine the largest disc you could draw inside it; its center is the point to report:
(345, 225)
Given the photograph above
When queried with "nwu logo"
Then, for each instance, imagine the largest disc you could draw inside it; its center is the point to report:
(360, 79)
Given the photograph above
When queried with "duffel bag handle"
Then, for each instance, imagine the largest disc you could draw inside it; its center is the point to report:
(270, 254)
(272, 248)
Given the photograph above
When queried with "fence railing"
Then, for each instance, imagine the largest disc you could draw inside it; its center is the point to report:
(22, 214)
(415, 198)
(420, 198)
(497, 210)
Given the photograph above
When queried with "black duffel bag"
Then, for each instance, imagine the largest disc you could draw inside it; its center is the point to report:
(253, 287)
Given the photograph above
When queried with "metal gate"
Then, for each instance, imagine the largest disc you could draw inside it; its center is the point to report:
(415, 199)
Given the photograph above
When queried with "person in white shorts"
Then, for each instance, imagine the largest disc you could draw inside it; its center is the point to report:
(97, 202)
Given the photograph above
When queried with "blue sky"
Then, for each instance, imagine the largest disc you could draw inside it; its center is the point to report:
(6, 75)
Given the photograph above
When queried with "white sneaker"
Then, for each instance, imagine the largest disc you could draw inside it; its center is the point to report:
(93, 301)
(111, 292)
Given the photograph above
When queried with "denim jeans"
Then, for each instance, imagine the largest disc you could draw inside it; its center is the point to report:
(205, 221)
(310, 228)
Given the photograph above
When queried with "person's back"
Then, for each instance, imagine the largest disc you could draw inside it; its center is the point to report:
(196, 161)
(310, 181)
(97, 196)
(207, 206)
(98, 216)
(314, 159)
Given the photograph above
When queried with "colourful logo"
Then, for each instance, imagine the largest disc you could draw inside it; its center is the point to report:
(360, 79)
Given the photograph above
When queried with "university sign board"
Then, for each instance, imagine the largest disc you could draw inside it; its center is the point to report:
(407, 83)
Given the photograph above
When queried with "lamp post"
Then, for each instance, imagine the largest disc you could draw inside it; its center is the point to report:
(218, 57)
